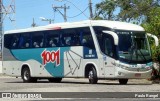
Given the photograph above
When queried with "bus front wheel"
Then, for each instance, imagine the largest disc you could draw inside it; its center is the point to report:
(123, 81)
(27, 77)
(92, 76)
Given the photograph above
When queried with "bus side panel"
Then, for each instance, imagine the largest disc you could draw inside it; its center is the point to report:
(10, 69)
(109, 67)
(43, 62)
(10, 65)
(36, 68)
(73, 62)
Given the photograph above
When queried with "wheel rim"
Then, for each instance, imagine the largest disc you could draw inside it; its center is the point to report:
(26, 75)
(90, 75)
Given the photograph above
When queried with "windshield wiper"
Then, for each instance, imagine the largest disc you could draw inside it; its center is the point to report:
(132, 51)
(142, 55)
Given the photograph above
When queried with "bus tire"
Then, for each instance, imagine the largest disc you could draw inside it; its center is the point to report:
(55, 80)
(92, 76)
(26, 76)
(123, 81)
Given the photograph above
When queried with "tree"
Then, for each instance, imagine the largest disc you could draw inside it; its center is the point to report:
(136, 11)
(152, 25)
(105, 10)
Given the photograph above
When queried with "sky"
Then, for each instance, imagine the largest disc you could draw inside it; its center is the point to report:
(26, 10)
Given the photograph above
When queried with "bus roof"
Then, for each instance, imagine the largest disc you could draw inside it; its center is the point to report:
(105, 23)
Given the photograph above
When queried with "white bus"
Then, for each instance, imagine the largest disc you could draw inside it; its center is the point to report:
(88, 49)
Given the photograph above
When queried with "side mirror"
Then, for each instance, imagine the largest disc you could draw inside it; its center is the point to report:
(115, 36)
(155, 38)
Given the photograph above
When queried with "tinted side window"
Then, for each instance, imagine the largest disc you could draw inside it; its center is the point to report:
(69, 37)
(99, 32)
(106, 41)
(56, 38)
(77, 37)
(37, 40)
(86, 38)
(108, 45)
(15, 41)
(11, 41)
(52, 39)
(24, 40)
(7, 41)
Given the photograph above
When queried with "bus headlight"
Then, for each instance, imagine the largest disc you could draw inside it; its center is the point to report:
(120, 65)
(148, 68)
(123, 66)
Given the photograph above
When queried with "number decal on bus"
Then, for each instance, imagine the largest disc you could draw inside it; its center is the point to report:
(53, 56)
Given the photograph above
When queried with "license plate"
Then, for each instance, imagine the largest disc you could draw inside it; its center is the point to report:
(137, 75)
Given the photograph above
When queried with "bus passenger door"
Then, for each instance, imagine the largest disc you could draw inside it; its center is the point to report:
(108, 50)
(109, 68)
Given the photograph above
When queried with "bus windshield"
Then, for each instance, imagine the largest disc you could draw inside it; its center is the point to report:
(133, 47)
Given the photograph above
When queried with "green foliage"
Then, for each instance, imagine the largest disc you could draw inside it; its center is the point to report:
(98, 18)
(152, 25)
(135, 11)
(155, 53)
(105, 9)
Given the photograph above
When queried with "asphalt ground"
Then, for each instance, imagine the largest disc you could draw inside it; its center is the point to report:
(72, 86)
